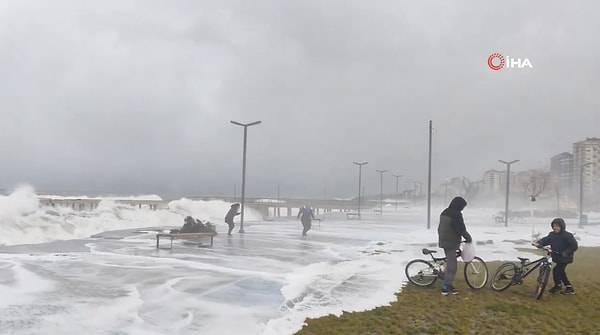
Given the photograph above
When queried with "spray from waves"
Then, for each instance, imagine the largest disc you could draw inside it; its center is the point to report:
(333, 287)
(24, 221)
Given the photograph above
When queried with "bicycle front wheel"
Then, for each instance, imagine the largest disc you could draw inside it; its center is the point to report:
(542, 281)
(421, 272)
(503, 277)
(476, 273)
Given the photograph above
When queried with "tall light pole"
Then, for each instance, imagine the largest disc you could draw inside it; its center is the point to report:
(278, 212)
(418, 187)
(359, 180)
(381, 188)
(581, 192)
(507, 189)
(429, 178)
(397, 176)
(246, 125)
(446, 192)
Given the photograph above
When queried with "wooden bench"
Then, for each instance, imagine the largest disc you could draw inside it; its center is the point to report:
(198, 236)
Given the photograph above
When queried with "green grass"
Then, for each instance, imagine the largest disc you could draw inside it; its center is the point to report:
(424, 311)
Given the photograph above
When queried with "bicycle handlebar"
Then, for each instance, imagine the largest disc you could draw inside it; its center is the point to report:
(546, 248)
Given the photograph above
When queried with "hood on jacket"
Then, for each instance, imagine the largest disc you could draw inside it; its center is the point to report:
(560, 222)
(458, 203)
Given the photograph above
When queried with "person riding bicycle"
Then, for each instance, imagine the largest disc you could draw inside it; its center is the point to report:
(563, 246)
(450, 232)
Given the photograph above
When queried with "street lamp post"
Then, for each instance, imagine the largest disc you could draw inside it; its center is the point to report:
(418, 187)
(446, 192)
(429, 178)
(381, 188)
(359, 181)
(507, 189)
(246, 125)
(397, 176)
(581, 192)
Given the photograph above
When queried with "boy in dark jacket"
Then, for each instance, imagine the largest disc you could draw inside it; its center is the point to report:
(563, 246)
(450, 231)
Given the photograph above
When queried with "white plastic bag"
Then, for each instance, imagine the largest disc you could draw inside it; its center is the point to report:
(468, 252)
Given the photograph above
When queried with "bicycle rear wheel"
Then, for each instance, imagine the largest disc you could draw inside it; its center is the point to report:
(421, 272)
(476, 273)
(542, 281)
(503, 276)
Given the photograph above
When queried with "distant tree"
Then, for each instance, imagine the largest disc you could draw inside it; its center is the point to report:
(470, 188)
(537, 183)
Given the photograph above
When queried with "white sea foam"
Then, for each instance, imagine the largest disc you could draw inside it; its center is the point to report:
(267, 281)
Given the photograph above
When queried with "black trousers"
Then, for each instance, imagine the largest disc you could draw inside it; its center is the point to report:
(307, 224)
(231, 225)
(559, 275)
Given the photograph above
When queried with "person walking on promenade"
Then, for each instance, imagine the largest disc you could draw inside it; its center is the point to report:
(306, 215)
(233, 211)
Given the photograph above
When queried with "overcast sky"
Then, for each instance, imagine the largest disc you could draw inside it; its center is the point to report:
(137, 96)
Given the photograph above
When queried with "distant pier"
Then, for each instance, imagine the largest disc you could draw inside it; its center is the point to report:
(267, 207)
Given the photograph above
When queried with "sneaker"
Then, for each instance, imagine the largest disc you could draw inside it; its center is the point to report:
(555, 289)
(449, 289)
(569, 290)
(453, 290)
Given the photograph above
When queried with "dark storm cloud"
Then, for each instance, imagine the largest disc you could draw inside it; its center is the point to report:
(136, 96)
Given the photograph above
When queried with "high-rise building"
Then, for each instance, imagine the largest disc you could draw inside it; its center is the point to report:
(493, 181)
(584, 152)
(562, 174)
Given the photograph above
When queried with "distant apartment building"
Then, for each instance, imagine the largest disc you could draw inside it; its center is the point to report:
(493, 181)
(451, 188)
(587, 153)
(561, 173)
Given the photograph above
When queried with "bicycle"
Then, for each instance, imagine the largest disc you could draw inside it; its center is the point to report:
(423, 272)
(511, 273)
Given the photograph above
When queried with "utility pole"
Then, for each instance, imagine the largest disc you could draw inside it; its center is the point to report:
(359, 181)
(581, 192)
(244, 169)
(429, 179)
(397, 195)
(507, 189)
(381, 188)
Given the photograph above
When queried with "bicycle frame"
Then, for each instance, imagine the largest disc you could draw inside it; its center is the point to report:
(422, 272)
(526, 270)
(513, 273)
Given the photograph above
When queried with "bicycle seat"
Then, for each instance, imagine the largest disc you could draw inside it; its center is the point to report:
(427, 251)
(523, 259)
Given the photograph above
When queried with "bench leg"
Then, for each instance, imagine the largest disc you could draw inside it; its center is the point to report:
(157, 239)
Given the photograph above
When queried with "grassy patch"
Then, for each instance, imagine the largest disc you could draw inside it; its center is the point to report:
(424, 311)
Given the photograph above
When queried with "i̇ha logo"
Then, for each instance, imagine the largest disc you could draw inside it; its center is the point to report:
(496, 62)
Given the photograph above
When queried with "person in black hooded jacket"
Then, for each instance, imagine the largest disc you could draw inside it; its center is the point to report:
(233, 212)
(563, 245)
(450, 232)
